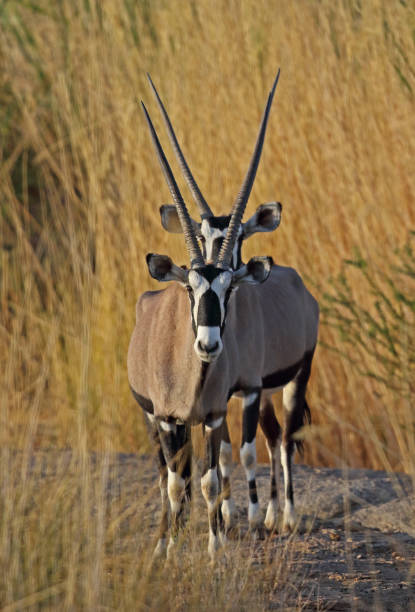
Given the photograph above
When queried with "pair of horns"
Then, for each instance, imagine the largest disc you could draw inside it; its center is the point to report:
(238, 209)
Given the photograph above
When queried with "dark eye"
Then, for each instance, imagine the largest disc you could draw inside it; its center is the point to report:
(188, 289)
(202, 239)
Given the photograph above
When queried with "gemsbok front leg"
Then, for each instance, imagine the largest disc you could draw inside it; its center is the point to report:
(175, 443)
(225, 462)
(251, 402)
(297, 413)
(272, 432)
(210, 482)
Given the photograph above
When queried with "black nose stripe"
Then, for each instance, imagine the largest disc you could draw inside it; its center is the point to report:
(208, 312)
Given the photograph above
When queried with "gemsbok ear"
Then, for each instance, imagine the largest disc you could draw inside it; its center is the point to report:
(266, 218)
(171, 222)
(163, 269)
(255, 271)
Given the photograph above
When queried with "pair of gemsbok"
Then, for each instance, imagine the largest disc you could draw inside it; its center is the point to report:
(200, 341)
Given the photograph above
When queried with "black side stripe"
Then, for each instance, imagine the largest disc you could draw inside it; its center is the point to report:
(276, 379)
(283, 377)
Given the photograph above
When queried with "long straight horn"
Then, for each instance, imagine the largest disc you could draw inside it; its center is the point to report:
(196, 257)
(197, 195)
(239, 205)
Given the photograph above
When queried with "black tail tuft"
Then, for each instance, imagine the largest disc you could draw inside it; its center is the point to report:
(300, 416)
(306, 420)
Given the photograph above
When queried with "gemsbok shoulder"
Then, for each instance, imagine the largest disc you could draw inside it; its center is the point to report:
(200, 341)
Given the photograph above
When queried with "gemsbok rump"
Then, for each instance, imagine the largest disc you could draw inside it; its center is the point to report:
(189, 353)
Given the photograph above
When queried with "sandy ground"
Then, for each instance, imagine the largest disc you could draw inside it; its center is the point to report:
(354, 548)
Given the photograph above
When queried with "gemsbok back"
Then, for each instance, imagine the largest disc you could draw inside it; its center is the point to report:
(200, 341)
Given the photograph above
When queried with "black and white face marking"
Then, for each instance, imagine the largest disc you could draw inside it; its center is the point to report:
(212, 233)
(209, 290)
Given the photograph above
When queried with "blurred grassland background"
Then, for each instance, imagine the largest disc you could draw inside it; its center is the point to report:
(80, 188)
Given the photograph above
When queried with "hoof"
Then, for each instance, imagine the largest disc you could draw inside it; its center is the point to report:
(213, 547)
(228, 513)
(223, 540)
(254, 516)
(171, 548)
(159, 553)
(289, 519)
(271, 517)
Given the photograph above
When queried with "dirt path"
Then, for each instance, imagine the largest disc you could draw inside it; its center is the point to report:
(354, 547)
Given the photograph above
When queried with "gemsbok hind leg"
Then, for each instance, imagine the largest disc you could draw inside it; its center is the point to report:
(176, 447)
(250, 418)
(225, 462)
(210, 482)
(272, 432)
(296, 413)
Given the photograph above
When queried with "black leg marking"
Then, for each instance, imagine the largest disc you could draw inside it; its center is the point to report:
(253, 496)
(225, 460)
(250, 416)
(187, 467)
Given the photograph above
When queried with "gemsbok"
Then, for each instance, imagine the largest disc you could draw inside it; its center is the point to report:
(189, 354)
(211, 233)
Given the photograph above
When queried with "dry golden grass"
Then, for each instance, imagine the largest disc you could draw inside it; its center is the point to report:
(94, 553)
(80, 189)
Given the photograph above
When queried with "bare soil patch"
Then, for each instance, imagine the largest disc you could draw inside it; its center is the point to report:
(353, 549)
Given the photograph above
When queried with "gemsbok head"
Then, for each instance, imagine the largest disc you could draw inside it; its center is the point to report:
(211, 279)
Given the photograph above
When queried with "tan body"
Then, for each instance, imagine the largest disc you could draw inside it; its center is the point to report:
(269, 327)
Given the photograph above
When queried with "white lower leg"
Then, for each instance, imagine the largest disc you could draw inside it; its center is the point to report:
(289, 517)
(289, 401)
(163, 491)
(210, 491)
(225, 462)
(271, 517)
(175, 489)
(170, 547)
(214, 543)
(228, 513)
(160, 549)
(248, 460)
